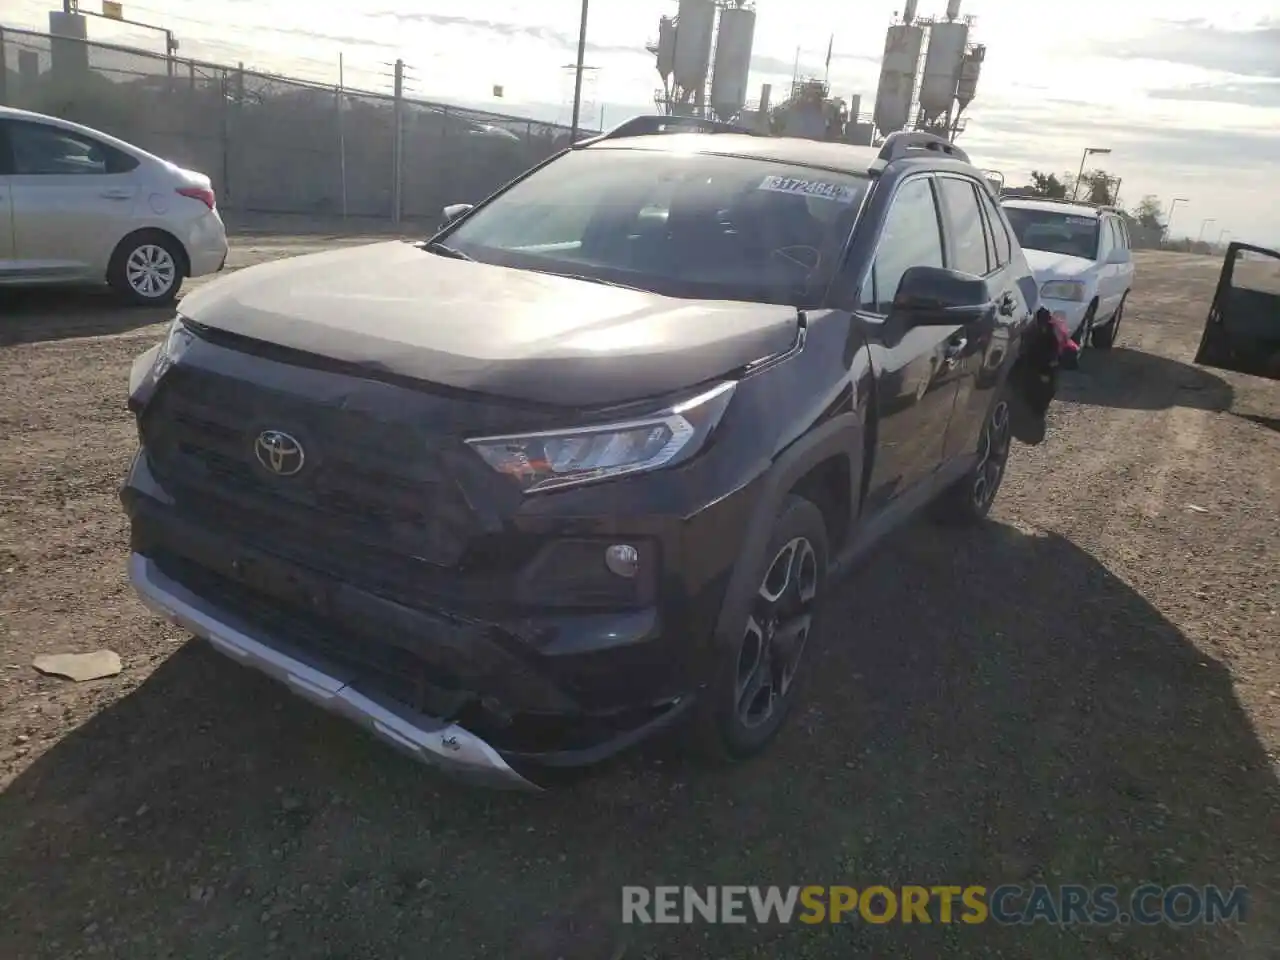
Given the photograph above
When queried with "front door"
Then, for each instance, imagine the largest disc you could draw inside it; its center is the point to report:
(1243, 329)
(916, 369)
(72, 199)
(6, 208)
(980, 244)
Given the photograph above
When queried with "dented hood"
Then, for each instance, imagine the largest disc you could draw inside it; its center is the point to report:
(395, 308)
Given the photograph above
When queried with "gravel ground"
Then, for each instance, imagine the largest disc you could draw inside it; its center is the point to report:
(1083, 690)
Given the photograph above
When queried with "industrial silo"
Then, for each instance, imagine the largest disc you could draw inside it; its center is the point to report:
(942, 68)
(970, 71)
(734, 40)
(695, 27)
(897, 77)
(666, 48)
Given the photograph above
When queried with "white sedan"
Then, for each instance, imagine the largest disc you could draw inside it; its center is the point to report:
(1080, 256)
(79, 206)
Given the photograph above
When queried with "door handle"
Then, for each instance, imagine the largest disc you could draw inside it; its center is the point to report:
(116, 194)
(1007, 305)
(951, 355)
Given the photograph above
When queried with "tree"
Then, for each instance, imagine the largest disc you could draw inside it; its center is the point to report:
(1047, 185)
(1147, 213)
(1097, 186)
(1146, 230)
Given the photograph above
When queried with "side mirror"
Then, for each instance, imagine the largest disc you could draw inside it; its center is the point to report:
(455, 210)
(1117, 256)
(937, 297)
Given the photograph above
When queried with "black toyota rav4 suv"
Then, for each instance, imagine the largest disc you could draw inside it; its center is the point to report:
(581, 466)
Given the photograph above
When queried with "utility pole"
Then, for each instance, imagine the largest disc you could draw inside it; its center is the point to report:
(397, 144)
(342, 132)
(577, 76)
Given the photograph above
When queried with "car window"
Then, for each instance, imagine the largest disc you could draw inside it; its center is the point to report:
(960, 207)
(911, 237)
(993, 258)
(1105, 241)
(678, 223)
(39, 149)
(1004, 246)
(1117, 235)
(1055, 231)
(1124, 231)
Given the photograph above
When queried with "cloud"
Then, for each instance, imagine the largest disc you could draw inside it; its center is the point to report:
(1195, 43)
(501, 28)
(1249, 93)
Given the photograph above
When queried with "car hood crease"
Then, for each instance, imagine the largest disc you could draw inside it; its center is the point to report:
(394, 308)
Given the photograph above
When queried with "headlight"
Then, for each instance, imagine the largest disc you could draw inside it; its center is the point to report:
(1063, 290)
(563, 458)
(176, 340)
(149, 367)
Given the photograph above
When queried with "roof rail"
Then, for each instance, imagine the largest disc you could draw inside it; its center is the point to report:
(1107, 208)
(900, 144)
(645, 126)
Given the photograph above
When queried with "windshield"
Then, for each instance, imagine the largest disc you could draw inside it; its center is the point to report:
(1055, 232)
(680, 224)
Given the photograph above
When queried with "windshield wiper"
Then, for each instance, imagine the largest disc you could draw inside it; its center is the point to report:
(604, 283)
(435, 246)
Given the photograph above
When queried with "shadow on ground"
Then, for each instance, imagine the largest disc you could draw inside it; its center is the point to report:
(1133, 380)
(985, 708)
(38, 314)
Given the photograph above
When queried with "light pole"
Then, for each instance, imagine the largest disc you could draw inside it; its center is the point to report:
(1168, 217)
(1222, 233)
(1083, 157)
(1207, 221)
(577, 79)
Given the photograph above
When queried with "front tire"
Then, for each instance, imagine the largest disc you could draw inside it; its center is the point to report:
(754, 684)
(1105, 336)
(147, 269)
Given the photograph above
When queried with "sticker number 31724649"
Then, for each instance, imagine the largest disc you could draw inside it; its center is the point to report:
(809, 188)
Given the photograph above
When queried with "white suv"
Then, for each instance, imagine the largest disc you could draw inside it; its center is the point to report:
(1080, 256)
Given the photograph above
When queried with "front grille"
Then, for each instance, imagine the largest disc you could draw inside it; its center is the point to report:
(375, 667)
(364, 480)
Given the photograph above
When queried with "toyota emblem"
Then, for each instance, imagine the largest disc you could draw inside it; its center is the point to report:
(279, 453)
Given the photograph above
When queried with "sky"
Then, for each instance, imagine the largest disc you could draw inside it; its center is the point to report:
(1185, 95)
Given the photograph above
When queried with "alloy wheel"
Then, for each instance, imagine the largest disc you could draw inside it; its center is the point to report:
(776, 631)
(150, 271)
(993, 454)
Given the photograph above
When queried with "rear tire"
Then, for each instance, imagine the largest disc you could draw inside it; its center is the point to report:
(1105, 336)
(147, 268)
(754, 682)
(969, 499)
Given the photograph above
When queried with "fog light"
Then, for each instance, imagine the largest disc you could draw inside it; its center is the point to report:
(622, 559)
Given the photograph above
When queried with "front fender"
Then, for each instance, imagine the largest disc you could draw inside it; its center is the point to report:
(839, 436)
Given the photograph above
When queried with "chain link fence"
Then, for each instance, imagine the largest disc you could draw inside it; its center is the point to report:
(274, 145)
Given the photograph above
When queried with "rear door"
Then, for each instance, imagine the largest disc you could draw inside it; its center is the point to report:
(72, 199)
(1126, 270)
(1243, 329)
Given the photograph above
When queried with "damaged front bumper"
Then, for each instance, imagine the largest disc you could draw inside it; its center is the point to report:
(441, 743)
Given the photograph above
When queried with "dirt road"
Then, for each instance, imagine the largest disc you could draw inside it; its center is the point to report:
(1086, 690)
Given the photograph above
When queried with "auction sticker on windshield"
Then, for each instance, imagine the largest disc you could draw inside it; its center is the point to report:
(810, 188)
(1081, 221)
